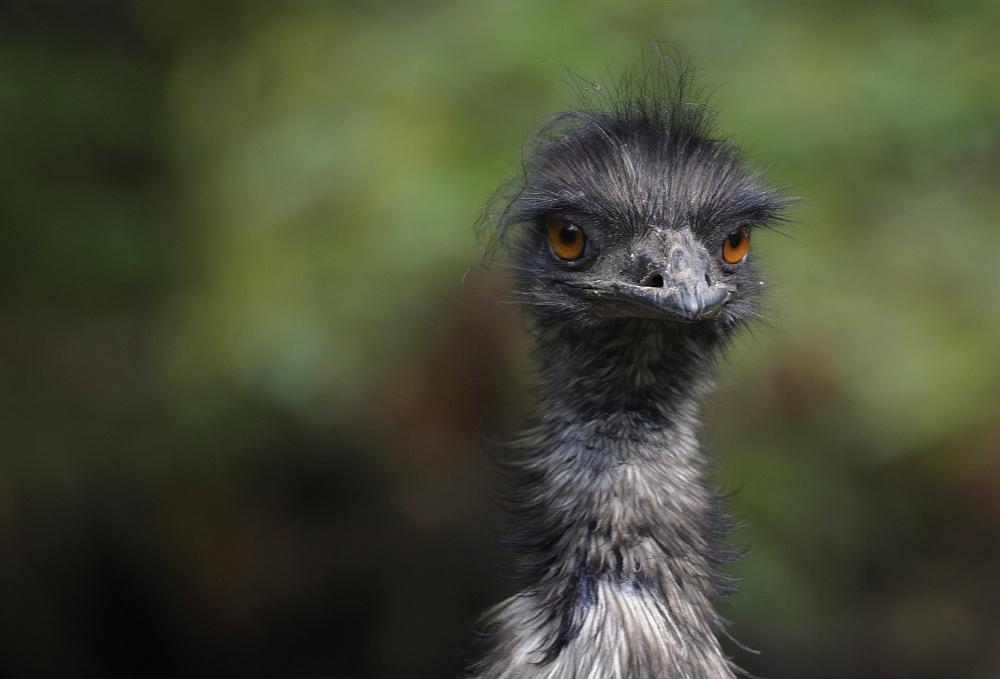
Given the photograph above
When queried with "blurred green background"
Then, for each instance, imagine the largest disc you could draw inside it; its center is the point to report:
(244, 394)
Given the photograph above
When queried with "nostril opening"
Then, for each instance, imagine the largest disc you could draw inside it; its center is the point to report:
(708, 280)
(655, 282)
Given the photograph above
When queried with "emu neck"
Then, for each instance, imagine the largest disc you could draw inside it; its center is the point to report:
(614, 455)
(636, 374)
(615, 526)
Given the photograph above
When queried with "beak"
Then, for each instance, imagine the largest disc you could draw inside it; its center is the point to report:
(687, 301)
(674, 287)
(694, 301)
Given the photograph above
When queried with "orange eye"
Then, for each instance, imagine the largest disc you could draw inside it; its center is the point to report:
(566, 239)
(736, 246)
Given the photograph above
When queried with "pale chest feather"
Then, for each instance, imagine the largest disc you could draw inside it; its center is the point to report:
(626, 633)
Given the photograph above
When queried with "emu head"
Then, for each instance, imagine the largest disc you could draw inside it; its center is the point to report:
(638, 212)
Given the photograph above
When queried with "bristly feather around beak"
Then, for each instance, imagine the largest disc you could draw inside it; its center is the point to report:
(668, 276)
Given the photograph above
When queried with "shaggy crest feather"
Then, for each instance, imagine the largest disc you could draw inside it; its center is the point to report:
(628, 236)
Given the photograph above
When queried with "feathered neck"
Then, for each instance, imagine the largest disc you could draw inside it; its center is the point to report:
(650, 371)
(616, 531)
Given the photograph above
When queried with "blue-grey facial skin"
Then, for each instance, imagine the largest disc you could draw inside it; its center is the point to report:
(655, 212)
(667, 275)
(618, 536)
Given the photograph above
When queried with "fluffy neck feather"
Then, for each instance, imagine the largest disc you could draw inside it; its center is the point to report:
(616, 530)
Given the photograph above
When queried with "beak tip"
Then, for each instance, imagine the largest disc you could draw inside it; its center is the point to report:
(691, 304)
(703, 302)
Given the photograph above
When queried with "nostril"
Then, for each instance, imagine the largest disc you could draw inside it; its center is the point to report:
(655, 281)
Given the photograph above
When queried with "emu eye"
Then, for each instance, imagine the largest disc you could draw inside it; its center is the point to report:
(736, 246)
(566, 239)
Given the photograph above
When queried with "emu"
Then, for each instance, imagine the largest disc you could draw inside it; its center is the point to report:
(629, 241)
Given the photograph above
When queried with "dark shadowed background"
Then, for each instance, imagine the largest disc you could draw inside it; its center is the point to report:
(245, 396)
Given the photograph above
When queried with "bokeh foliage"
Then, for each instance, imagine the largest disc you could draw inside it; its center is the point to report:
(244, 388)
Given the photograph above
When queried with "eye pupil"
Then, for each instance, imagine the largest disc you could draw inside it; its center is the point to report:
(735, 238)
(568, 234)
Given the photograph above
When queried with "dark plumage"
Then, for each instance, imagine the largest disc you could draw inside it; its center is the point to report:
(619, 234)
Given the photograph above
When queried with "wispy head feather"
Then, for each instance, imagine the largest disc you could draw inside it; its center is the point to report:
(659, 97)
